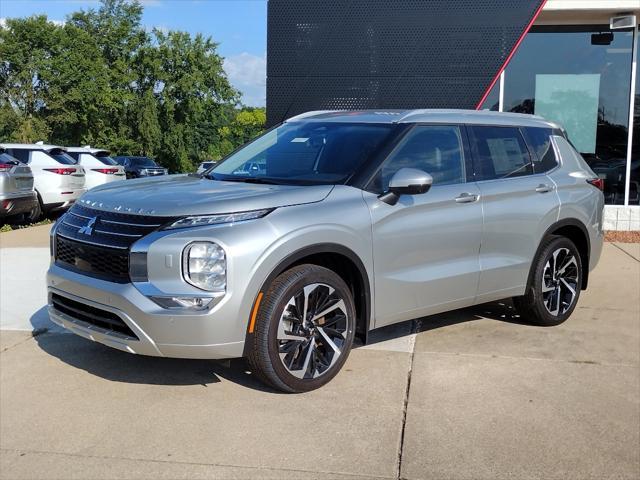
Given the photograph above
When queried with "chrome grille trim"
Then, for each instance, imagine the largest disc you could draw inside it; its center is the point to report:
(91, 243)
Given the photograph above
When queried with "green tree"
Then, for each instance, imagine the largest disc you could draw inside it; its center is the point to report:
(102, 79)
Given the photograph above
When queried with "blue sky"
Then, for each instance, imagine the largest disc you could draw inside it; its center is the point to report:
(239, 26)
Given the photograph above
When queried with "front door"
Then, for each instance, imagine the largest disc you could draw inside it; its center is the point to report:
(425, 247)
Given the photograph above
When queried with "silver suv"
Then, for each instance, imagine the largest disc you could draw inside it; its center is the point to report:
(329, 226)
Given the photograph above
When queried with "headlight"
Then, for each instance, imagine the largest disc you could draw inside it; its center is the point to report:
(205, 266)
(203, 220)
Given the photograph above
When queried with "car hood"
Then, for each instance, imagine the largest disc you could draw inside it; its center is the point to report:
(178, 195)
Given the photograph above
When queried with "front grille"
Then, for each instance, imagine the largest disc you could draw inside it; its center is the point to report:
(100, 262)
(108, 229)
(97, 243)
(93, 316)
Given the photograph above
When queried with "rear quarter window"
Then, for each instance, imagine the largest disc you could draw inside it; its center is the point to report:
(544, 156)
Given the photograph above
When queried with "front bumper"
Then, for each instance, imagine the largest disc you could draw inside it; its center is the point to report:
(16, 204)
(162, 333)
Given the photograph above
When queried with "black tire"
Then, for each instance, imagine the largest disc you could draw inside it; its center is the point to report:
(35, 215)
(265, 347)
(555, 305)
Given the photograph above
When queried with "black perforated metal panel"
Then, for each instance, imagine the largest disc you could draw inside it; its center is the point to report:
(355, 54)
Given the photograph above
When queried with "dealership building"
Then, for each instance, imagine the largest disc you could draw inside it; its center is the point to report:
(573, 67)
(570, 61)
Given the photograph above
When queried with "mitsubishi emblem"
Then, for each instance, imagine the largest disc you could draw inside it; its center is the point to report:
(88, 228)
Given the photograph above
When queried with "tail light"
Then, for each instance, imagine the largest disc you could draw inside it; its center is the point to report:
(61, 171)
(5, 167)
(106, 171)
(597, 182)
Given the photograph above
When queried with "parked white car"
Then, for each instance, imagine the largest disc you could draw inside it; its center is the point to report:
(58, 181)
(99, 167)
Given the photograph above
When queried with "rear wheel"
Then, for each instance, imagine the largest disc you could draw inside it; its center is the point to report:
(35, 214)
(555, 284)
(304, 329)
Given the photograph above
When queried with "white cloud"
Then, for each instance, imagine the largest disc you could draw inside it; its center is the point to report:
(248, 73)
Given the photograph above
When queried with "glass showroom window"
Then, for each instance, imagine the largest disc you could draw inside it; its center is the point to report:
(634, 184)
(578, 76)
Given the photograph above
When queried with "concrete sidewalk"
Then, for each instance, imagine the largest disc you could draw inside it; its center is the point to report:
(468, 394)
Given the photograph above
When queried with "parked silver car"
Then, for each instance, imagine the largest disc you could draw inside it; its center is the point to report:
(344, 222)
(17, 196)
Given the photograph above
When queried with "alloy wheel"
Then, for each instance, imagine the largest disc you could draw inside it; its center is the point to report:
(560, 281)
(312, 331)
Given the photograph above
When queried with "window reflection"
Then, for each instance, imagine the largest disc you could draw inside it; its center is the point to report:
(565, 67)
(634, 186)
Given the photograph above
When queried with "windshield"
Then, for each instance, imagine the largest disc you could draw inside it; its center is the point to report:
(143, 162)
(61, 157)
(305, 152)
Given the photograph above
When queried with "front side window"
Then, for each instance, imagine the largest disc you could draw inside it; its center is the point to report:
(304, 153)
(500, 152)
(434, 149)
(539, 140)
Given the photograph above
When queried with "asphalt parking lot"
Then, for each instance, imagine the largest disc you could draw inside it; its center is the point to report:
(471, 394)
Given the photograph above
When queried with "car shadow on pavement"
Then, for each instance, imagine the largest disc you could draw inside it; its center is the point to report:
(114, 365)
(502, 311)
(117, 366)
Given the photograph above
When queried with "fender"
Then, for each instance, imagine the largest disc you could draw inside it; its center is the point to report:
(293, 258)
(567, 222)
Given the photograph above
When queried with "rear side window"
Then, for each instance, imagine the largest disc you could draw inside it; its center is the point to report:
(539, 140)
(500, 152)
(22, 155)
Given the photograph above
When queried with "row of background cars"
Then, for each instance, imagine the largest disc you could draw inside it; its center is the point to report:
(38, 179)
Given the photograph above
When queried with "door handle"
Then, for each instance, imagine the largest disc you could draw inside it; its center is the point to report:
(467, 198)
(543, 188)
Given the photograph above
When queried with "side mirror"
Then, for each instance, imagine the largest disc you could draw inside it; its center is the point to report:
(407, 181)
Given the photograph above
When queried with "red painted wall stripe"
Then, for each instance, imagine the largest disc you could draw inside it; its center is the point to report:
(515, 48)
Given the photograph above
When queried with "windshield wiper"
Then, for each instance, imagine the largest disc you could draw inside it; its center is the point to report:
(264, 181)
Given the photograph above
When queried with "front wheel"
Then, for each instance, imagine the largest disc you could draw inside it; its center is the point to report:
(555, 284)
(304, 329)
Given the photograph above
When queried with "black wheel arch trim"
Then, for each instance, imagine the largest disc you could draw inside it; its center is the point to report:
(566, 222)
(316, 249)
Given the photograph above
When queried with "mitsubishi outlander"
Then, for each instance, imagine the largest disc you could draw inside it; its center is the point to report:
(326, 227)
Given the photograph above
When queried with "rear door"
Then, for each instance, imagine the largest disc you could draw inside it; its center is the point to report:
(425, 247)
(518, 206)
